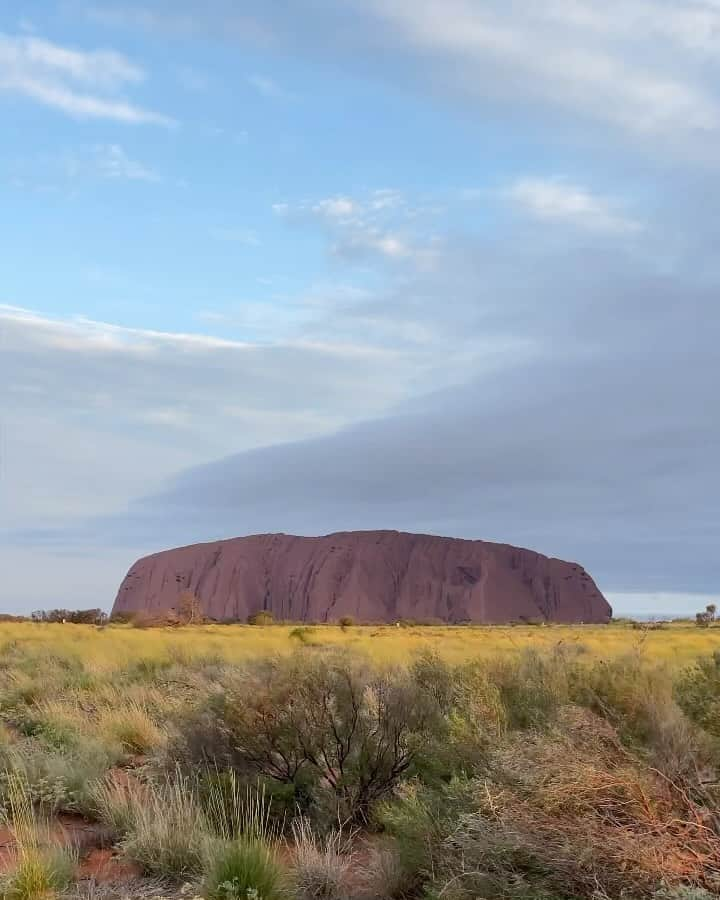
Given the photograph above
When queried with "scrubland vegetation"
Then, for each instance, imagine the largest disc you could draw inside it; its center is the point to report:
(320, 763)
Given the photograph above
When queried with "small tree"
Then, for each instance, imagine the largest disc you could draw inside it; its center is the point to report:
(346, 622)
(189, 609)
(705, 619)
(332, 723)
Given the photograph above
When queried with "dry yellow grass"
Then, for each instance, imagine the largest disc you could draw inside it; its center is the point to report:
(115, 646)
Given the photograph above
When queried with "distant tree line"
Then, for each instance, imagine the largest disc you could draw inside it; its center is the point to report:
(74, 616)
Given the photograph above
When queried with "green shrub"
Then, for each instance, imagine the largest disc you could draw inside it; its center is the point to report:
(336, 731)
(244, 869)
(639, 701)
(683, 892)
(531, 688)
(58, 781)
(698, 693)
(418, 818)
(337, 727)
(263, 617)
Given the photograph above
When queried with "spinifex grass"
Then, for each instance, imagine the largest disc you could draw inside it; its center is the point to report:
(121, 647)
(42, 867)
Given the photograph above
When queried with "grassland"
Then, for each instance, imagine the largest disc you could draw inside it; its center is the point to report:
(325, 763)
(116, 646)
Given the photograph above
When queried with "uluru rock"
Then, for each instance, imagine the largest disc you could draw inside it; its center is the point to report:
(373, 576)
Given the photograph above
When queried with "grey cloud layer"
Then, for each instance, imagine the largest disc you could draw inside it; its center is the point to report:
(597, 443)
(94, 414)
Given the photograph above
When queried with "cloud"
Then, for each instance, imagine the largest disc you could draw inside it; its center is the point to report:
(693, 26)
(268, 87)
(114, 163)
(82, 84)
(546, 386)
(567, 67)
(337, 208)
(112, 402)
(560, 201)
(81, 166)
(641, 69)
(380, 224)
(577, 422)
(81, 334)
(549, 394)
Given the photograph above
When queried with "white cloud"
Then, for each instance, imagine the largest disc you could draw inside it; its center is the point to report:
(560, 201)
(336, 208)
(82, 84)
(492, 49)
(114, 163)
(363, 240)
(693, 26)
(378, 224)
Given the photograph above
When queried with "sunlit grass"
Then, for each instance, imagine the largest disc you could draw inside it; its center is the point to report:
(119, 647)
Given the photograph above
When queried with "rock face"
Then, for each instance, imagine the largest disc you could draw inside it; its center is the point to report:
(373, 576)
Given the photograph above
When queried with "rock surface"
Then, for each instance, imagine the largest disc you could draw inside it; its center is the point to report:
(373, 576)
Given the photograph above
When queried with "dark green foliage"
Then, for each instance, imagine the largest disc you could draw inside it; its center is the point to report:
(531, 689)
(243, 870)
(337, 731)
(698, 693)
(74, 616)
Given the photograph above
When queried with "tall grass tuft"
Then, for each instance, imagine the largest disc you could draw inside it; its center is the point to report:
(115, 804)
(244, 869)
(233, 809)
(131, 726)
(321, 865)
(42, 867)
(242, 863)
(166, 832)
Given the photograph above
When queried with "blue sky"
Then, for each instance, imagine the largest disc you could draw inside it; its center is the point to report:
(437, 265)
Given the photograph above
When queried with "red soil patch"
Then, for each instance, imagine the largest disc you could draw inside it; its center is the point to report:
(106, 868)
(65, 830)
(7, 852)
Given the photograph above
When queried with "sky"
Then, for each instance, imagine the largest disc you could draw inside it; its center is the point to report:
(446, 266)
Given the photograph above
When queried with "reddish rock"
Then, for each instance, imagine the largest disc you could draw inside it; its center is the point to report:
(373, 576)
